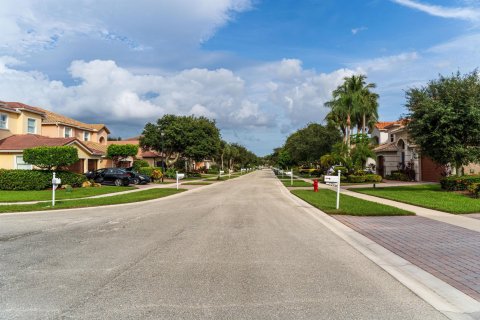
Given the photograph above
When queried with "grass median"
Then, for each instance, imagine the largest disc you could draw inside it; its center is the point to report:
(42, 195)
(428, 196)
(325, 200)
(296, 183)
(138, 196)
(198, 183)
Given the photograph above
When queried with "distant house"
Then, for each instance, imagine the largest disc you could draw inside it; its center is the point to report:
(23, 126)
(153, 158)
(396, 150)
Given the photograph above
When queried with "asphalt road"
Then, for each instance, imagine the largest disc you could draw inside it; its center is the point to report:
(236, 250)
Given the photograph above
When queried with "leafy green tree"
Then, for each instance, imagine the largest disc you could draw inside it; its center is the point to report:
(117, 152)
(360, 154)
(51, 157)
(182, 136)
(445, 119)
(308, 144)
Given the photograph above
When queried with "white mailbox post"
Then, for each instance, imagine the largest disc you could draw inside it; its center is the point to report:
(179, 177)
(55, 183)
(335, 180)
(290, 174)
(221, 172)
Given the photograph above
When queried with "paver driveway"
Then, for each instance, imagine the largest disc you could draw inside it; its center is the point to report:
(235, 250)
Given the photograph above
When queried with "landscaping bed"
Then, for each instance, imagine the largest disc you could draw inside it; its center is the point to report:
(118, 199)
(325, 200)
(427, 196)
(42, 195)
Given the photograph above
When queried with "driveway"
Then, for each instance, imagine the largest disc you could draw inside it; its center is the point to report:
(240, 249)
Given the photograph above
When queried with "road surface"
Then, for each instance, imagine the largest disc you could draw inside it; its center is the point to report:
(240, 249)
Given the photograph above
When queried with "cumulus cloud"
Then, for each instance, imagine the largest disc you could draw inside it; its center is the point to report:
(359, 29)
(462, 13)
(31, 25)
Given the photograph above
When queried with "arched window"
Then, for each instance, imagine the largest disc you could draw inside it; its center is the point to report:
(101, 140)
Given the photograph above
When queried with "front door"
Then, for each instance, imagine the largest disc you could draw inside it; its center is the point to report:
(381, 166)
(92, 164)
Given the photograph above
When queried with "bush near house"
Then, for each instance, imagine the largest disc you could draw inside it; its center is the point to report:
(455, 183)
(355, 179)
(373, 178)
(117, 152)
(154, 173)
(51, 157)
(474, 189)
(398, 176)
(36, 179)
(137, 164)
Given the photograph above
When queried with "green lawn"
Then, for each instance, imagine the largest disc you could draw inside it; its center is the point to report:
(296, 183)
(428, 196)
(197, 183)
(22, 196)
(325, 200)
(124, 198)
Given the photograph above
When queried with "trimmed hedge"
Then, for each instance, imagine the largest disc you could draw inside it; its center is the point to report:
(373, 178)
(137, 164)
(398, 176)
(355, 179)
(36, 179)
(455, 183)
(152, 172)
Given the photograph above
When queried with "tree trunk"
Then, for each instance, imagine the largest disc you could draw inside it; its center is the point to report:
(349, 129)
(363, 123)
(459, 170)
(222, 160)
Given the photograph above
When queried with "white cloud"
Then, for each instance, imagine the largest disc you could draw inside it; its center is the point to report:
(357, 30)
(31, 25)
(387, 63)
(465, 13)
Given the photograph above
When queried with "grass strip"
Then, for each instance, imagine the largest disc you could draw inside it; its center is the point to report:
(60, 194)
(325, 200)
(84, 203)
(199, 183)
(428, 196)
(296, 183)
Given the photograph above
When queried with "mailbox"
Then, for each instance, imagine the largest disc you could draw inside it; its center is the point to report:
(56, 181)
(180, 175)
(222, 172)
(289, 173)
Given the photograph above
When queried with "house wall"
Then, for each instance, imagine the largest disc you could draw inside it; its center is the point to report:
(18, 123)
(382, 135)
(472, 168)
(390, 163)
(7, 160)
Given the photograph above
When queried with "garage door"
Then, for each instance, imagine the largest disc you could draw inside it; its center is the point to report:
(77, 167)
(431, 171)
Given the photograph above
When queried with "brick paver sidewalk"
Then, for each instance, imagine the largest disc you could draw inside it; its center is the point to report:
(448, 252)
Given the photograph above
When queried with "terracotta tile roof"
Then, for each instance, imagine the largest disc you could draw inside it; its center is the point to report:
(137, 138)
(386, 147)
(384, 124)
(150, 154)
(18, 106)
(97, 147)
(25, 141)
(54, 118)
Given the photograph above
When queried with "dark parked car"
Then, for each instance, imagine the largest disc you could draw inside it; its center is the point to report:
(116, 176)
(137, 178)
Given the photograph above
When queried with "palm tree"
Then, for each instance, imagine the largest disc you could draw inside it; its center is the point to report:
(353, 104)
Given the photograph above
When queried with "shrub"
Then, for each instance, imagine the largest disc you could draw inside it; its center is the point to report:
(399, 176)
(193, 175)
(213, 170)
(373, 178)
(341, 168)
(51, 157)
(36, 179)
(474, 188)
(455, 183)
(170, 173)
(148, 171)
(153, 173)
(137, 164)
(355, 179)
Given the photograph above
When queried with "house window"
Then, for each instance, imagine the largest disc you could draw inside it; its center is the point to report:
(31, 125)
(20, 164)
(3, 121)
(391, 137)
(68, 132)
(86, 136)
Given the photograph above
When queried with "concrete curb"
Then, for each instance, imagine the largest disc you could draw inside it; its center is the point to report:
(443, 297)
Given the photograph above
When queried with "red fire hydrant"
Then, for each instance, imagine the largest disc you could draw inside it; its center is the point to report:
(315, 185)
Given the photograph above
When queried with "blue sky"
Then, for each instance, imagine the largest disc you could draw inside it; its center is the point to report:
(262, 69)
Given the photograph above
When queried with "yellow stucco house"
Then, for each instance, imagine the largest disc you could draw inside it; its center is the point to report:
(23, 126)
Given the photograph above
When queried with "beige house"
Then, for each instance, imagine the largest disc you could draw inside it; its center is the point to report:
(23, 126)
(396, 150)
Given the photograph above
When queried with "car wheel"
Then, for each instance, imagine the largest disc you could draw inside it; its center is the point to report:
(136, 181)
(118, 182)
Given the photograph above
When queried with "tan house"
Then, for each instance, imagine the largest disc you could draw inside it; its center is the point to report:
(23, 126)
(396, 150)
(153, 158)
